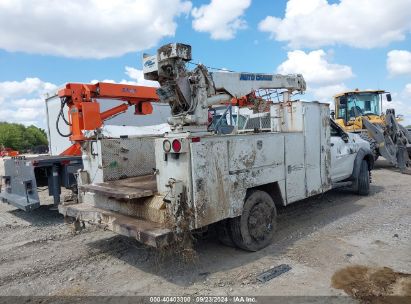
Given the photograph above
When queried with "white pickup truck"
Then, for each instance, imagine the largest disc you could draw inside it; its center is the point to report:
(156, 189)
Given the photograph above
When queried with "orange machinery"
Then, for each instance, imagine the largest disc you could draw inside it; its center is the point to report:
(84, 109)
(8, 152)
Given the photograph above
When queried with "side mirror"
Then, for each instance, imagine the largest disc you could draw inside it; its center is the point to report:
(389, 98)
(332, 114)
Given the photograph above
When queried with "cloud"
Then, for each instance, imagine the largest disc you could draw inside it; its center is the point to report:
(222, 19)
(23, 101)
(87, 28)
(357, 23)
(315, 67)
(324, 78)
(138, 77)
(326, 93)
(26, 115)
(399, 62)
(34, 85)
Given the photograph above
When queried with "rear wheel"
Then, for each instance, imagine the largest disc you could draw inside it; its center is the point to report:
(363, 179)
(373, 145)
(255, 228)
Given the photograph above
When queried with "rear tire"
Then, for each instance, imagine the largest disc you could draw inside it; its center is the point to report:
(363, 179)
(373, 145)
(255, 228)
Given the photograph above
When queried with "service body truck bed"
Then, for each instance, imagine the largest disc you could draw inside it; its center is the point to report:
(209, 179)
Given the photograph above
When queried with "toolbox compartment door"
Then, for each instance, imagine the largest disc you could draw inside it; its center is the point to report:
(295, 167)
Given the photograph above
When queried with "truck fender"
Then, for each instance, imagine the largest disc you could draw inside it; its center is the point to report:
(366, 154)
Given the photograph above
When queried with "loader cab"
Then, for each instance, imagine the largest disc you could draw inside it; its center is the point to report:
(351, 105)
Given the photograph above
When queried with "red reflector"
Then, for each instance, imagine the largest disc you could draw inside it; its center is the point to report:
(176, 145)
(195, 139)
(65, 162)
(34, 162)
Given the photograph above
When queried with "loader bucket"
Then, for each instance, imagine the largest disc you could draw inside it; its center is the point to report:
(387, 147)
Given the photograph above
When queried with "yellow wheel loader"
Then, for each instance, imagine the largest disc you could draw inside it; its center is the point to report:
(361, 112)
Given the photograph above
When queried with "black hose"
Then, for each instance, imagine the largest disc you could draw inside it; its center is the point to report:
(63, 103)
(61, 114)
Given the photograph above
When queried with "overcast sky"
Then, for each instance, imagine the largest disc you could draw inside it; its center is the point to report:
(336, 45)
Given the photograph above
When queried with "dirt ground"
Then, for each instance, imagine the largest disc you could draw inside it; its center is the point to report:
(318, 238)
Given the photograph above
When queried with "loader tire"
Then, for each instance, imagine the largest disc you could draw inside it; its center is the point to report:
(373, 145)
(363, 179)
(255, 228)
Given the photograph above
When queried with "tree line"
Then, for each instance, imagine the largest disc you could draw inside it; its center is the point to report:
(21, 138)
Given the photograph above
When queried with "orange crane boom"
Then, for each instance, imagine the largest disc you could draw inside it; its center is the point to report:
(84, 109)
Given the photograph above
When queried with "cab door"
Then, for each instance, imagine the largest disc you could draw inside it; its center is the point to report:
(343, 152)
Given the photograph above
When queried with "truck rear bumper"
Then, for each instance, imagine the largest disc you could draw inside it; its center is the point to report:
(146, 232)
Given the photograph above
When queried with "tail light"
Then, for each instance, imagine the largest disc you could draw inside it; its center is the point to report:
(166, 146)
(176, 145)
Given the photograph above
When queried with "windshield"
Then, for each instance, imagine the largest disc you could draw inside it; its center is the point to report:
(360, 104)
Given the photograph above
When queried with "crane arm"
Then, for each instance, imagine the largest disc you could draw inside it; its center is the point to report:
(190, 93)
(242, 84)
(82, 92)
(240, 88)
(84, 109)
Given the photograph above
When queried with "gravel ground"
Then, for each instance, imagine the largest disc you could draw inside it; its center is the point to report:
(318, 237)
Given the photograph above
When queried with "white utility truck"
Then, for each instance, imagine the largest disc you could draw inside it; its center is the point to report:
(157, 188)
